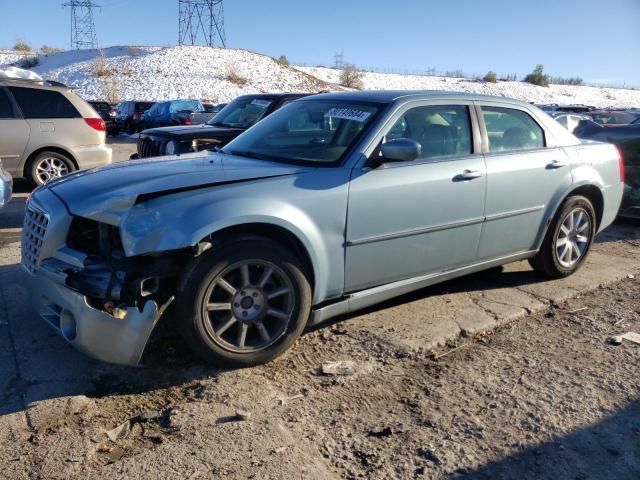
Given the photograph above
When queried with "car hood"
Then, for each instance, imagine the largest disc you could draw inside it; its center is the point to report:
(195, 131)
(105, 194)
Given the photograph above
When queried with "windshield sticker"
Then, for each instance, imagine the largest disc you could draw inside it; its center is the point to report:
(261, 103)
(348, 114)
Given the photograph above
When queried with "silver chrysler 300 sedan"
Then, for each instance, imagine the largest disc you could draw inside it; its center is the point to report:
(331, 204)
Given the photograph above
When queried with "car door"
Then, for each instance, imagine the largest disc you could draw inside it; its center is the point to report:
(406, 219)
(14, 134)
(525, 172)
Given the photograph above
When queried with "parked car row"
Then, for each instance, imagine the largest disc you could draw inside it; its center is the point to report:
(603, 116)
(133, 116)
(236, 117)
(625, 136)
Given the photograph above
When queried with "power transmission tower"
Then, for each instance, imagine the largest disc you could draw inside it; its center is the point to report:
(201, 21)
(83, 28)
(338, 60)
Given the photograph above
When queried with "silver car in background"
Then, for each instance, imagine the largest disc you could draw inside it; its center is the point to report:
(331, 204)
(47, 131)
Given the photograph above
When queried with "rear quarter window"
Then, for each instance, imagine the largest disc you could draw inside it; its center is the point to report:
(36, 103)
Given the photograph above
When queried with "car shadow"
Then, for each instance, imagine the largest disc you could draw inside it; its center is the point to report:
(167, 361)
(606, 449)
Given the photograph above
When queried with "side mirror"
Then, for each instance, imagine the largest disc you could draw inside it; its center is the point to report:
(400, 150)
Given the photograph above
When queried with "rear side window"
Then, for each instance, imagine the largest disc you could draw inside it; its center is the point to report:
(442, 130)
(509, 129)
(36, 103)
(6, 109)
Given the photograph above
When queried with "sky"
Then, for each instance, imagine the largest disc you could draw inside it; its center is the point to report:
(597, 40)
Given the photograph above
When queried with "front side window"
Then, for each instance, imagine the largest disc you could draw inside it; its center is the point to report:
(509, 129)
(242, 112)
(441, 130)
(36, 103)
(6, 109)
(317, 132)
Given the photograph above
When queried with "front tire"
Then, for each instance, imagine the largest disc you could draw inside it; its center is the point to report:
(568, 239)
(47, 166)
(243, 304)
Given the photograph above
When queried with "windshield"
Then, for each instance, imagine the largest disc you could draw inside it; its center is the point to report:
(186, 106)
(305, 131)
(242, 112)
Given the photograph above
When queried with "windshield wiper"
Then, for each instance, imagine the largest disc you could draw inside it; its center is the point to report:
(221, 124)
(245, 153)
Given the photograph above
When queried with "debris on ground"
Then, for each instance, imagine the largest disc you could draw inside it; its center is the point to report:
(243, 415)
(345, 367)
(629, 336)
(385, 432)
(104, 448)
(119, 432)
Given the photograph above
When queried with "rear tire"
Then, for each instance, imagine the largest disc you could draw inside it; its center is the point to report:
(243, 304)
(47, 166)
(568, 239)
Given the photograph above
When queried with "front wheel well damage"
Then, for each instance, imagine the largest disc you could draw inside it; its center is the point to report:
(275, 233)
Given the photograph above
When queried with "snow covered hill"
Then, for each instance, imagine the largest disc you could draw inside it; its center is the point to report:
(157, 73)
(161, 73)
(561, 94)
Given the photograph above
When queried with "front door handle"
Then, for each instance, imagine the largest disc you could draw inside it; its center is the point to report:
(468, 175)
(556, 164)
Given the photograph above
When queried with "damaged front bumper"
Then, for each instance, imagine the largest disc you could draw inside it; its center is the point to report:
(92, 331)
(118, 338)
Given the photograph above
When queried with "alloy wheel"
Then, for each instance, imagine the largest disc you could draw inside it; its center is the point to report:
(573, 237)
(248, 306)
(49, 168)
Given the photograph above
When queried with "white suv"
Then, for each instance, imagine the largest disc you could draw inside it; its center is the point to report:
(47, 131)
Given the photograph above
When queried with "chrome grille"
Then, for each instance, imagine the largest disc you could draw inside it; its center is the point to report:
(35, 227)
(149, 146)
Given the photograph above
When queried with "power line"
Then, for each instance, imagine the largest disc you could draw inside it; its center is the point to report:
(201, 22)
(83, 28)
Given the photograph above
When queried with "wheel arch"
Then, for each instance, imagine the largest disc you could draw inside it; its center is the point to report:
(277, 233)
(594, 195)
(590, 191)
(40, 150)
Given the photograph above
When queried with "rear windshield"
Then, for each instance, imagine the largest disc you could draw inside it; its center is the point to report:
(101, 107)
(143, 106)
(242, 112)
(186, 106)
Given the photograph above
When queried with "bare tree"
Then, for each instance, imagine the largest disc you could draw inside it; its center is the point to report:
(351, 77)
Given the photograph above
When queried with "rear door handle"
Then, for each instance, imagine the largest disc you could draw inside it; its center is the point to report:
(468, 175)
(556, 164)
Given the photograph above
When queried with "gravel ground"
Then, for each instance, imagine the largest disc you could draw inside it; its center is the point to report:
(546, 397)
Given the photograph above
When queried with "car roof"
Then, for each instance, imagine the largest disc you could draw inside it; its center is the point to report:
(278, 95)
(389, 96)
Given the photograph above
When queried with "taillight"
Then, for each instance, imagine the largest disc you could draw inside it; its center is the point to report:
(621, 163)
(136, 115)
(187, 121)
(96, 124)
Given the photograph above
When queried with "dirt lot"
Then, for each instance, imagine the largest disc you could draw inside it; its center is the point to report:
(543, 398)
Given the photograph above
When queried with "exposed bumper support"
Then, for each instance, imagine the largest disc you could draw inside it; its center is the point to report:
(92, 331)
